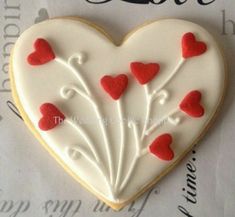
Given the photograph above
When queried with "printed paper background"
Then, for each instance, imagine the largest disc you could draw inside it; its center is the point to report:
(33, 184)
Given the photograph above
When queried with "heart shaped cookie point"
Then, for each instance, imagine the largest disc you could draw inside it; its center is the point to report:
(144, 73)
(191, 104)
(114, 86)
(51, 118)
(191, 47)
(160, 147)
(43, 53)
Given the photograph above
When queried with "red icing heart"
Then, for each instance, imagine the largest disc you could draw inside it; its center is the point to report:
(144, 72)
(191, 104)
(161, 147)
(191, 47)
(52, 116)
(43, 53)
(114, 86)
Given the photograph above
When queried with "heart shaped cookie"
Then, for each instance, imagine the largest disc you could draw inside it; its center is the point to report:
(117, 118)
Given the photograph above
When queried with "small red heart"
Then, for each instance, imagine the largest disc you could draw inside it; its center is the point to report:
(114, 86)
(191, 104)
(144, 72)
(43, 53)
(52, 116)
(161, 147)
(191, 47)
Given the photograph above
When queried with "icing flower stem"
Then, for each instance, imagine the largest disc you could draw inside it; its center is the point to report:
(159, 92)
(133, 165)
(174, 72)
(169, 118)
(140, 152)
(107, 144)
(85, 136)
(122, 144)
(148, 110)
(71, 64)
(69, 91)
(98, 165)
(163, 95)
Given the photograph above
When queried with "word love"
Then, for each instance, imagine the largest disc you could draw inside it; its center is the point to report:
(156, 2)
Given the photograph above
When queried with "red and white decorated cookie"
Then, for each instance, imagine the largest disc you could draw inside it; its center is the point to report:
(117, 117)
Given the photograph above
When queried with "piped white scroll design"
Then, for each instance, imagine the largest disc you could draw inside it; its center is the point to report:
(68, 92)
(162, 95)
(115, 180)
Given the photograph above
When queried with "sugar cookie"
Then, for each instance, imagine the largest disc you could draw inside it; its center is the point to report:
(117, 117)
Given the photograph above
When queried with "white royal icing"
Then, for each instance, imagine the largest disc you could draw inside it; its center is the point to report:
(107, 147)
(122, 144)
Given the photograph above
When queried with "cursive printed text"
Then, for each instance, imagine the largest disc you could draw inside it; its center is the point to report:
(190, 190)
